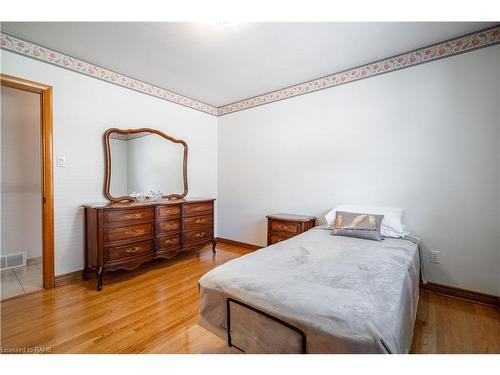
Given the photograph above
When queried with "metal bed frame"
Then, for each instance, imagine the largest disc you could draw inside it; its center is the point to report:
(277, 320)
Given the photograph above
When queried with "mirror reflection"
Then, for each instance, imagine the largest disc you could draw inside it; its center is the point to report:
(145, 163)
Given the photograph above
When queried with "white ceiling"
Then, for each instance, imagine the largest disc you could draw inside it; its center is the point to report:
(222, 63)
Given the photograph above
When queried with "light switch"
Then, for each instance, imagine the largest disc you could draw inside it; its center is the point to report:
(60, 161)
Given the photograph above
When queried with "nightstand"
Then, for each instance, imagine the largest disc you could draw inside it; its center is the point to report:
(284, 226)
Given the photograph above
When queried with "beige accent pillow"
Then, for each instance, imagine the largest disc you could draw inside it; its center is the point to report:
(353, 224)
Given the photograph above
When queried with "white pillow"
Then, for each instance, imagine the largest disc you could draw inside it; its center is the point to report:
(392, 223)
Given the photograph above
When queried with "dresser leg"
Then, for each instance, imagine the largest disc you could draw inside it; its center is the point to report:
(86, 273)
(100, 271)
(214, 244)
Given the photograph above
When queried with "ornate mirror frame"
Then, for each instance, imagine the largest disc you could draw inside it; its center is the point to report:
(107, 151)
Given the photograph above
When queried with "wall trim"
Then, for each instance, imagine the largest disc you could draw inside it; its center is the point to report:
(462, 294)
(69, 278)
(77, 276)
(227, 241)
(462, 44)
(47, 172)
(32, 50)
(452, 47)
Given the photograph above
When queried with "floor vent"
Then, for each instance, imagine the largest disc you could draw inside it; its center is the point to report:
(13, 260)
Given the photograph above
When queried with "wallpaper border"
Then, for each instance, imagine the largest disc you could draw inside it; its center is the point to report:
(51, 56)
(452, 47)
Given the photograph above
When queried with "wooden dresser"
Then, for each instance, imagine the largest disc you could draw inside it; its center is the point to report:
(125, 235)
(284, 226)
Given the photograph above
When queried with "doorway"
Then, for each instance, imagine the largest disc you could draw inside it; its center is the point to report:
(27, 185)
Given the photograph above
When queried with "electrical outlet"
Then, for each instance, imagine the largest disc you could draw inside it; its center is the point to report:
(435, 257)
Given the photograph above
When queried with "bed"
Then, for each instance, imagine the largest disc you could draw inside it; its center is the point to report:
(316, 293)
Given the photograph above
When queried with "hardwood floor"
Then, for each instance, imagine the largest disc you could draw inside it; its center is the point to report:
(448, 325)
(154, 309)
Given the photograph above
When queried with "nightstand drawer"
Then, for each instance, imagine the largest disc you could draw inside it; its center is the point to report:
(285, 226)
(275, 238)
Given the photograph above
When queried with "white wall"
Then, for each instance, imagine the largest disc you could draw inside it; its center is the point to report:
(83, 109)
(424, 138)
(21, 180)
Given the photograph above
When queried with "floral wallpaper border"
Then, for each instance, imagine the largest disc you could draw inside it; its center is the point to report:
(37, 52)
(466, 43)
(452, 47)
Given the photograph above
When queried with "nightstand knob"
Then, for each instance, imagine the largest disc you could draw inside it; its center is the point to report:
(283, 227)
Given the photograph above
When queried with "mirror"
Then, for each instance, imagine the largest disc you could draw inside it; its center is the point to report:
(144, 161)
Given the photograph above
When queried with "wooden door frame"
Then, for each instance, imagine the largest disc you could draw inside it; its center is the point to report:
(45, 93)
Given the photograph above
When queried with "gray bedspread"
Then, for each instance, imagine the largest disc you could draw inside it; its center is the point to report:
(348, 295)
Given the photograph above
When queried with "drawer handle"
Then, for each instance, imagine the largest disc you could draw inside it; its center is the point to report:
(171, 241)
(282, 227)
(171, 226)
(171, 212)
(201, 234)
(133, 216)
(199, 221)
(135, 232)
(133, 249)
(200, 208)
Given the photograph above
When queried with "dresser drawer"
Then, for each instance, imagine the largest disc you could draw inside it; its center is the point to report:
(128, 232)
(196, 222)
(275, 238)
(168, 253)
(285, 226)
(168, 227)
(123, 252)
(195, 209)
(202, 235)
(163, 212)
(113, 216)
(170, 242)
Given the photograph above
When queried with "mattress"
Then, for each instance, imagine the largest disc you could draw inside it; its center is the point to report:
(347, 295)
